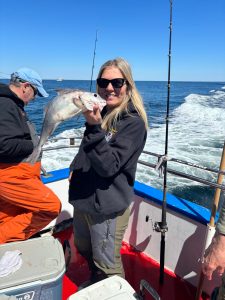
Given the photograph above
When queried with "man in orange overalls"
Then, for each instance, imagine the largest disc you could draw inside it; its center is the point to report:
(26, 204)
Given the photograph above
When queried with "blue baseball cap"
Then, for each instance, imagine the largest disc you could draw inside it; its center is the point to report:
(28, 75)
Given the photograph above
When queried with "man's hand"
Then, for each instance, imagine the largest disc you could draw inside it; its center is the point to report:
(214, 258)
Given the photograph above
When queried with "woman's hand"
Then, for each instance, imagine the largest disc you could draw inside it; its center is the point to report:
(93, 117)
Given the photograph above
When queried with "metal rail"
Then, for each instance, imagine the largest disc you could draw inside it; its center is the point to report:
(60, 147)
(187, 176)
(186, 163)
(151, 165)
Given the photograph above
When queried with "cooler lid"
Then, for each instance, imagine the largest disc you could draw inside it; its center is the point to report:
(112, 288)
(42, 260)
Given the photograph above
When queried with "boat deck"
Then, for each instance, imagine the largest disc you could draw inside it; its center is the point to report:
(137, 266)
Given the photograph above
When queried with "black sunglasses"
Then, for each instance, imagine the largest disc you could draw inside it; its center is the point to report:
(34, 89)
(116, 82)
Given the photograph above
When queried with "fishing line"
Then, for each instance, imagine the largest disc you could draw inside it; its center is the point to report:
(1, 76)
(93, 62)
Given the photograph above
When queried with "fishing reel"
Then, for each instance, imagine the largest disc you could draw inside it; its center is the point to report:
(157, 226)
(160, 227)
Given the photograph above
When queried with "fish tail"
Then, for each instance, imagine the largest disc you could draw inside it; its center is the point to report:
(35, 155)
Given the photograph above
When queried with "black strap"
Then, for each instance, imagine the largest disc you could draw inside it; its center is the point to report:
(67, 248)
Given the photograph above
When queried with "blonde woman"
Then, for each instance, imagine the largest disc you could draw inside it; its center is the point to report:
(103, 171)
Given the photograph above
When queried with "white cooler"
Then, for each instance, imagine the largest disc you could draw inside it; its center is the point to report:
(113, 288)
(40, 275)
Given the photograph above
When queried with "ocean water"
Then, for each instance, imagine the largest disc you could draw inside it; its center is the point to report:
(196, 132)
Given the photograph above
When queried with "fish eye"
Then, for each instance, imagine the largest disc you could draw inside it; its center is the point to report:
(95, 95)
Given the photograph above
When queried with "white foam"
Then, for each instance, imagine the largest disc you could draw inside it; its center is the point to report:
(61, 158)
(196, 134)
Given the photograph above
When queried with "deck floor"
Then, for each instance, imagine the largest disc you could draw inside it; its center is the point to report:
(137, 266)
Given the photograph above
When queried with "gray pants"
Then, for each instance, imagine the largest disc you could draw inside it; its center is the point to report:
(99, 239)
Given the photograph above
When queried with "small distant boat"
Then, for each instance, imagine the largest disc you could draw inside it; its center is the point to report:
(59, 79)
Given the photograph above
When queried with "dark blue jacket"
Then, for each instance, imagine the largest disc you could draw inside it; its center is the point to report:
(16, 132)
(105, 166)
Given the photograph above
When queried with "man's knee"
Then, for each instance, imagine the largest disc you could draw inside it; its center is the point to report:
(58, 206)
(54, 205)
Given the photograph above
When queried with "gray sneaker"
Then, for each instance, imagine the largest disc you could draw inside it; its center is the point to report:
(84, 285)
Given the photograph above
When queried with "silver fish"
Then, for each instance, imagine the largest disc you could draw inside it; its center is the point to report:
(67, 104)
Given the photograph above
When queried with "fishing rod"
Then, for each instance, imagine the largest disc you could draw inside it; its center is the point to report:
(162, 226)
(3, 76)
(93, 62)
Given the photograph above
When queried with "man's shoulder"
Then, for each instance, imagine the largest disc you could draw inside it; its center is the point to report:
(4, 92)
(3, 85)
(7, 100)
(7, 105)
(4, 89)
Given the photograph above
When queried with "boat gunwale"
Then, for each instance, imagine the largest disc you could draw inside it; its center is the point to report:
(185, 207)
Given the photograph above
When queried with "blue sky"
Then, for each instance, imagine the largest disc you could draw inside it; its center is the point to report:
(56, 38)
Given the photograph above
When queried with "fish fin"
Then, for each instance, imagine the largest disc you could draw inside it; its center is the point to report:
(79, 103)
(88, 105)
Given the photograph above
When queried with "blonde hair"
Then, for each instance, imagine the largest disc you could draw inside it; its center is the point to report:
(110, 119)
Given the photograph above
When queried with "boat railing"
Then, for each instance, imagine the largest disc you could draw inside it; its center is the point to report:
(74, 142)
